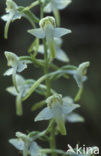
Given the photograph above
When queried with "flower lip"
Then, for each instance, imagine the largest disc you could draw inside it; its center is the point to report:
(47, 20)
(56, 98)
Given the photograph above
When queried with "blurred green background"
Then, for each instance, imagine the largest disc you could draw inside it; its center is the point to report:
(84, 19)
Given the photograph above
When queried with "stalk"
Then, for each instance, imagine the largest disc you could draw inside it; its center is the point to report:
(52, 142)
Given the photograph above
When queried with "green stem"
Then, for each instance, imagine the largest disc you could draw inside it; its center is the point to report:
(39, 81)
(52, 140)
(79, 93)
(53, 151)
(32, 5)
(57, 16)
(46, 66)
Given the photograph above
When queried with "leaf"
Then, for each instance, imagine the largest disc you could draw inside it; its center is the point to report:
(37, 32)
(17, 143)
(45, 114)
(74, 117)
(59, 32)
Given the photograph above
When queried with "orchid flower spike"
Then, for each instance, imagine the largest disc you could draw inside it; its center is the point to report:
(12, 14)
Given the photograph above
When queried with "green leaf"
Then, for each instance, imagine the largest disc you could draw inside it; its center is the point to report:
(59, 32)
(45, 114)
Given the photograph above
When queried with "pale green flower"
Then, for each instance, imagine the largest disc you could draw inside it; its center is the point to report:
(15, 63)
(80, 73)
(48, 30)
(56, 5)
(25, 144)
(60, 54)
(12, 14)
(58, 109)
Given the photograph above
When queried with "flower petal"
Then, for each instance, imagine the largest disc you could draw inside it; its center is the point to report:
(61, 55)
(12, 91)
(74, 117)
(11, 58)
(68, 105)
(21, 66)
(59, 117)
(45, 114)
(34, 149)
(59, 32)
(9, 72)
(48, 8)
(49, 33)
(17, 143)
(61, 4)
(37, 33)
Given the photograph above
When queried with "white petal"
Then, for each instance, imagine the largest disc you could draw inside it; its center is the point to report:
(59, 32)
(17, 143)
(9, 72)
(37, 32)
(74, 117)
(12, 91)
(48, 8)
(21, 66)
(11, 58)
(45, 114)
(34, 149)
(61, 4)
(68, 105)
(60, 55)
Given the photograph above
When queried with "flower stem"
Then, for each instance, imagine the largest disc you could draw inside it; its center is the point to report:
(48, 151)
(52, 140)
(46, 66)
(32, 5)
